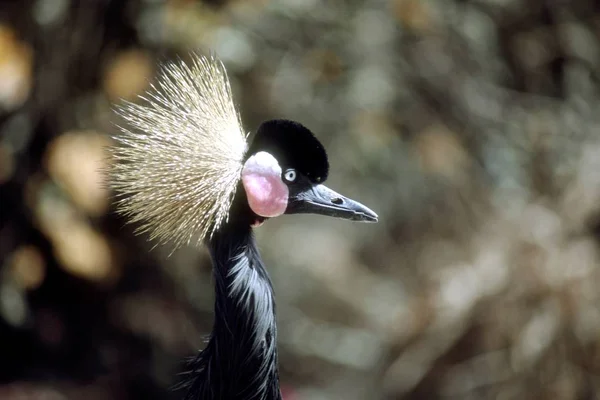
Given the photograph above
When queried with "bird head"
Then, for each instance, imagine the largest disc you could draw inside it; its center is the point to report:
(284, 172)
(182, 157)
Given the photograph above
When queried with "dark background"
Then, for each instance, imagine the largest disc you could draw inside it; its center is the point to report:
(471, 127)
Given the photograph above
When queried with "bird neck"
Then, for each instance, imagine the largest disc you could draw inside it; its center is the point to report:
(240, 360)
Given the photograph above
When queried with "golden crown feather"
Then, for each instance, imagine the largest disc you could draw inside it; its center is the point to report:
(178, 160)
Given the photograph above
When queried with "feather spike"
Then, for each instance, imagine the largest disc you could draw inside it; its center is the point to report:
(178, 160)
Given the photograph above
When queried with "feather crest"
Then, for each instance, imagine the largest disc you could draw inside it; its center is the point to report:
(178, 161)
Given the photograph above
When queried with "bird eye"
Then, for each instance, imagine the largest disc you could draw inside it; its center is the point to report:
(290, 175)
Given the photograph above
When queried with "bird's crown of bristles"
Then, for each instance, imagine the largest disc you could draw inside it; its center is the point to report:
(178, 161)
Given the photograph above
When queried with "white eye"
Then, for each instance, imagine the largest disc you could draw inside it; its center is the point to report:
(290, 175)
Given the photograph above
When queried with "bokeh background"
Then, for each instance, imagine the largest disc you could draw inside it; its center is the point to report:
(471, 127)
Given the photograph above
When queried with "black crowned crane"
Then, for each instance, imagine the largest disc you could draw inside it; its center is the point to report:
(182, 169)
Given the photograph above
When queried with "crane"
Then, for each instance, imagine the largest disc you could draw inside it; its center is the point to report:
(183, 171)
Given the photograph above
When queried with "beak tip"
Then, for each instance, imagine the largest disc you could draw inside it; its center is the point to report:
(369, 217)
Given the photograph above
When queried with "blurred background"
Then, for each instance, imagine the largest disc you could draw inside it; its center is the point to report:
(470, 126)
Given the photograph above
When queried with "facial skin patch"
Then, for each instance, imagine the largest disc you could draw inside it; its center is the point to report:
(267, 193)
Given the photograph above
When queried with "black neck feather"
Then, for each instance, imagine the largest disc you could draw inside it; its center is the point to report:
(240, 360)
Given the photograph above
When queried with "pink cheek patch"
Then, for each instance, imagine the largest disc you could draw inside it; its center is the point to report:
(266, 192)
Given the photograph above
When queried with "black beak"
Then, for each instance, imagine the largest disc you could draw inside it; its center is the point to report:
(319, 199)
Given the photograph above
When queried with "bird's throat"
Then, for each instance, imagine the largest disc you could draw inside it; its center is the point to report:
(240, 360)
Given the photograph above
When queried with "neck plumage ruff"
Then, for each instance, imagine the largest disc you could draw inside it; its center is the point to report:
(181, 168)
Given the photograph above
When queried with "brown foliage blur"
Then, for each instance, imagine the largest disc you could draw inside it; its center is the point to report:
(471, 127)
